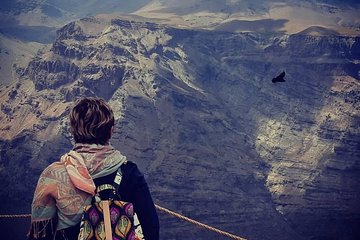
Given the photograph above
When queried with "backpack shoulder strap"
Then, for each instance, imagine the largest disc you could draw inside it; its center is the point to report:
(116, 184)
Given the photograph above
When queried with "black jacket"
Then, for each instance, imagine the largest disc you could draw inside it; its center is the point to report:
(134, 189)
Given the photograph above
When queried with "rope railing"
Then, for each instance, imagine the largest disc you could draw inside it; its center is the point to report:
(175, 214)
(172, 213)
(15, 215)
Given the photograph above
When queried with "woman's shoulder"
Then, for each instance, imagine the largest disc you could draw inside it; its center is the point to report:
(132, 173)
(130, 168)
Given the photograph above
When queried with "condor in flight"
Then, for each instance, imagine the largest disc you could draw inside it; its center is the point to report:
(279, 78)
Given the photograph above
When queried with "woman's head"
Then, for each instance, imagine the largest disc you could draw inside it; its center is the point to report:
(91, 121)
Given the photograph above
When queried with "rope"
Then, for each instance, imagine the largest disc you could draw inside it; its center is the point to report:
(232, 236)
(16, 216)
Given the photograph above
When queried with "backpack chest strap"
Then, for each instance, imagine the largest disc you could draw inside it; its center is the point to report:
(104, 187)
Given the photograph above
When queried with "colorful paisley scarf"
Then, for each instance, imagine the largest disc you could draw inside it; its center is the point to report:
(65, 187)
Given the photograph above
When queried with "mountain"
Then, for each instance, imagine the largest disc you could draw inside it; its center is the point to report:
(197, 111)
(28, 25)
(57, 13)
(287, 16)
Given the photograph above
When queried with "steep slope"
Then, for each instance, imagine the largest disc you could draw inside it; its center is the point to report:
(197, 111)
(14, 57)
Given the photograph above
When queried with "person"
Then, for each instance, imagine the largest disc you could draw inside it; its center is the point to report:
(66, 186)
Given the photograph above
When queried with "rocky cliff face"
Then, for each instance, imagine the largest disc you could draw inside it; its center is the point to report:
(197, 111)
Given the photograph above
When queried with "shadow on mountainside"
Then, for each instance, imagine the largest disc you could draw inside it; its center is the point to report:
(260, 26)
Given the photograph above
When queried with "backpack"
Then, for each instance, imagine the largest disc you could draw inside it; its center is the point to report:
(110, 219)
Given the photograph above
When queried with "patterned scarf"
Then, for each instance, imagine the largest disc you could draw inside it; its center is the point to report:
(65, 187)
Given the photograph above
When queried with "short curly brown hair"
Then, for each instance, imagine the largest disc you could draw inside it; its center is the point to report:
(91, 120)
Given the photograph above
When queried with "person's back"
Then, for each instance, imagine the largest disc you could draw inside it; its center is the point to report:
(65, 187)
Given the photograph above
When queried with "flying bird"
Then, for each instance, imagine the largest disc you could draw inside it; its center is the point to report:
(279, 78)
